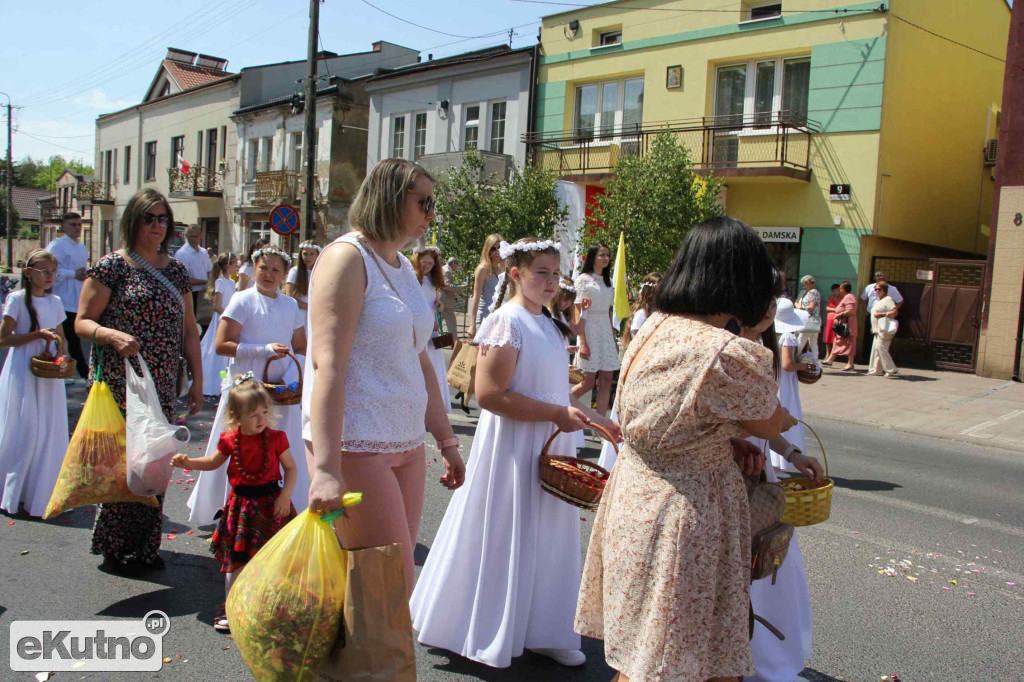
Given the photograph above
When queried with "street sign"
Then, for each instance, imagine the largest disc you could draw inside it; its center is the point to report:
(839, 192)
(284, 219)
(785, 235)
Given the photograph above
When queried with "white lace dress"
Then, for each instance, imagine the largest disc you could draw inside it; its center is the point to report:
(604, 354)
(264, 320)
(214, 364)
(504, 570)
(789, 398)
(33, 413)
(436, 354)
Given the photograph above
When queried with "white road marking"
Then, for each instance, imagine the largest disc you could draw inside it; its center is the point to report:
(975, 431)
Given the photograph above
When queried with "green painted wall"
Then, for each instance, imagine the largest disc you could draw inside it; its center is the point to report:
(549, 99)
(845, 92)
(830, 255)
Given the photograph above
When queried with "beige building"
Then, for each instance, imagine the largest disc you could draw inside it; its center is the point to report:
(73, 193)
(178, 140)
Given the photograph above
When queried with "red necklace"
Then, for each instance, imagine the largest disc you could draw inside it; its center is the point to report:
(247, 476)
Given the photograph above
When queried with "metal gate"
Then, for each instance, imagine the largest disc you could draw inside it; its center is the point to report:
(955, 313)
(940, 317)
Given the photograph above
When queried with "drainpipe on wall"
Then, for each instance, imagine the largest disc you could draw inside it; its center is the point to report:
(1020, 337)
(531, 106)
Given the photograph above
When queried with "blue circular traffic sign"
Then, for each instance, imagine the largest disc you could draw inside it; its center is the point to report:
(284, 219)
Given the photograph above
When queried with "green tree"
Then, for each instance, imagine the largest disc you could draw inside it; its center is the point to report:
(40, 174)
(468, 209)
(654, 198)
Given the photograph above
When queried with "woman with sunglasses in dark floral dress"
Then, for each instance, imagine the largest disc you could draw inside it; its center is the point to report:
(127, 305)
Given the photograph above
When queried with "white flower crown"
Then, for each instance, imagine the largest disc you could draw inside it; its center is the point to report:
(505, 249)
(645, 285)
(271, 251)
(428, 247)
(567, 287)
(310, 245)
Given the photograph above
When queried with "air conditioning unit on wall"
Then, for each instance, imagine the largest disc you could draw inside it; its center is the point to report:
(991, 152)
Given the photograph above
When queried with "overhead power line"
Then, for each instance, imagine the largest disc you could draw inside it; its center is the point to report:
(700, 11)
(947, 39)
(39, 139)
(406, 21)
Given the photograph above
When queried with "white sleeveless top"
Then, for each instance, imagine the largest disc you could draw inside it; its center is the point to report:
(385, 394)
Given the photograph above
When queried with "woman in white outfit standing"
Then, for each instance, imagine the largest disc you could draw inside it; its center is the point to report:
(883, 326)
(788, 323)
(221, 290)
(599, 354)
(426, 261)
(297, 284)
(259, 324)
(645, 307)
(504, 570)
(370, 387)
(786, 604)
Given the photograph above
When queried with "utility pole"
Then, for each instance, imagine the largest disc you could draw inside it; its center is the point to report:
(10, 179)
(309, 143)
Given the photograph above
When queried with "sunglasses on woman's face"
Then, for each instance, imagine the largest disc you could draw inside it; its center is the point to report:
(149, 218)
(426, 202)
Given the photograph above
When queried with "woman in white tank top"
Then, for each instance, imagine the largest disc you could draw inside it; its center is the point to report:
(370, 387)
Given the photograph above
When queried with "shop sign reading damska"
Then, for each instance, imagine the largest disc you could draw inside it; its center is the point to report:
(790, 235)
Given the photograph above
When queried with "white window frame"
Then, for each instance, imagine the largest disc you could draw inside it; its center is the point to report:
(749, 11)
(490, 125)
(609, 38)
(597, 139)
(266, 154)
(477, 123)
(426, 133)
(394, 150)
(252, 158)
(750, 92)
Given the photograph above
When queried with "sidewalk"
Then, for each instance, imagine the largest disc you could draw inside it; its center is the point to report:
(948, 405)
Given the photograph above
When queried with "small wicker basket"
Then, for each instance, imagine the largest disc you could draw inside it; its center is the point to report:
(282, 393)
(808, 374)
(813, 504)
(576, 375)
(46, 365)
(571, 479)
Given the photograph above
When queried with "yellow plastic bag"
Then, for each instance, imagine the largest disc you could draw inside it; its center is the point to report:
(94, 469)
(285, 608)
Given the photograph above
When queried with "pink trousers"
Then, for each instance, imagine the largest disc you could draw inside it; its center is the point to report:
(392, 486)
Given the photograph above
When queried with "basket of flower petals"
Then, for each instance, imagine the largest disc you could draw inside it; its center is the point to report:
(55, 365)
(571, 479)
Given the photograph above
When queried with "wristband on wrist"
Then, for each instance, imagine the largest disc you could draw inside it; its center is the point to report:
(790, 451)
(448, 442)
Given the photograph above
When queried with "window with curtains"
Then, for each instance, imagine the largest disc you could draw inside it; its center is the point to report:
(608, 109)
(754, 92)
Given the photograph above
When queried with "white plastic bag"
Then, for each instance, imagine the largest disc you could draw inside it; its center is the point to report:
(151, 441)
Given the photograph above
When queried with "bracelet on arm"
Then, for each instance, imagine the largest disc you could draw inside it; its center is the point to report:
(448, 442)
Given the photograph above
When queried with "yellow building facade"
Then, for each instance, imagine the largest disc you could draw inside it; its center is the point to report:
(853, 125)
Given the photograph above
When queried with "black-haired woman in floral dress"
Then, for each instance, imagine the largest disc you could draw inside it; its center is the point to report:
(128, 305)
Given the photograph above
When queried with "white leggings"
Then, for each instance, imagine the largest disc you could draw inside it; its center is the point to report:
(808, 337)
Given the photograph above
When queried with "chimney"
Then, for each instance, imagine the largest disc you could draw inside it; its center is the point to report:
(377, 45)
(430, 57)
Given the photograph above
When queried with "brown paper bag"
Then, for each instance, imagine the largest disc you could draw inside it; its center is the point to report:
(462, 371)
(376, 643)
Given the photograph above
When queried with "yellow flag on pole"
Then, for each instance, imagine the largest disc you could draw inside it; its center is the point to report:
(621, 307)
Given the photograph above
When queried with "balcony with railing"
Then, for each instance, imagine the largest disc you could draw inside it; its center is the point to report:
(198, 182)
(95, 192)
(50, 211)
(277, 187)
(774, 145)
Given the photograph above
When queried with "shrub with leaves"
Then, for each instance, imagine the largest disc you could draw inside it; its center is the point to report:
(655, 198)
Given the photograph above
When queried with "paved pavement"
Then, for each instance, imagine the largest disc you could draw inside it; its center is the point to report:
(906, 507)
(949, 405)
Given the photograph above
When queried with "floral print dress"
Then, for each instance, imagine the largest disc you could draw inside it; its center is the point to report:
(666, 582)
(141, 306)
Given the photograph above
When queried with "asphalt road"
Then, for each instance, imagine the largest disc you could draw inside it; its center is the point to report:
(905, 507)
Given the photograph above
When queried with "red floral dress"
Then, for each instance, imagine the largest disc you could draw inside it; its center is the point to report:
(141, 306)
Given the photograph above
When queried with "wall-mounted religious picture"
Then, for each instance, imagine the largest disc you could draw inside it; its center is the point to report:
(674, 77)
